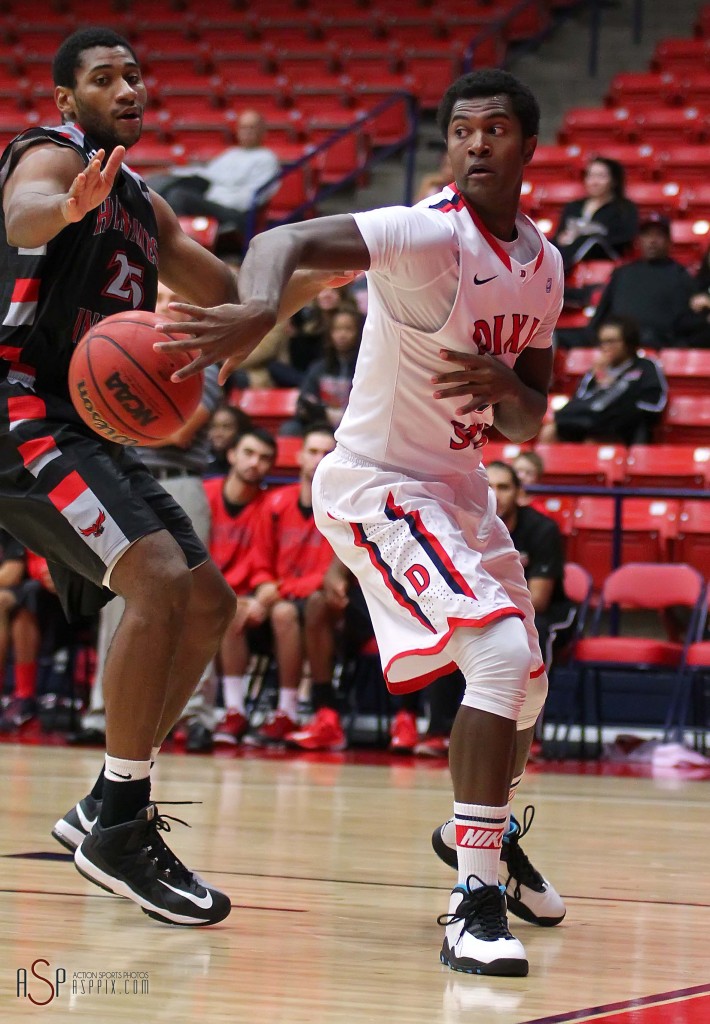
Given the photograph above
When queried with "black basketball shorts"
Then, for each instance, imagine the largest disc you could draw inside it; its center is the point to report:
(77, 499)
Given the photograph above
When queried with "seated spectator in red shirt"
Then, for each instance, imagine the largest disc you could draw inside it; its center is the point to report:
(291, 559)
(620, 399)
(237, 502)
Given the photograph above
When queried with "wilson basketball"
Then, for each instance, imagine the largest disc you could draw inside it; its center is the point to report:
(121, 386)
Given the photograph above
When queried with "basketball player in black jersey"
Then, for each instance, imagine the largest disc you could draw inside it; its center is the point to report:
(82, 237)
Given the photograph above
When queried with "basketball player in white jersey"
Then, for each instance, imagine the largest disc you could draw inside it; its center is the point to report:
(464, 294)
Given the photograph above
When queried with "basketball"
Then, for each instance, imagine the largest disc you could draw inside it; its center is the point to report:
(121, 386)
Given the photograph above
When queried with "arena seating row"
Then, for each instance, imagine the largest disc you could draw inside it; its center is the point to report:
(686, 369)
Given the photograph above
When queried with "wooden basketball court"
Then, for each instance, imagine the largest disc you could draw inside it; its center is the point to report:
(336, 892)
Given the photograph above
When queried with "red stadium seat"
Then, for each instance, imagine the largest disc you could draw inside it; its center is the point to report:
(267, 407)
(696, 200)
(202, 229)
(287, 452)
(633, 88)
(639, 159)
(433, 68)
(659, 196)
(669, 125)
(687, 369)
(690, 239)
(681, 56)
(692, 541)
(686, 420)
(639, 587)
(500, 451)
(556, 163)
(560, 508)
(596, 125)
(666, 465)
(601, 465)
(574, 364)
(648, 524)
(683, 163)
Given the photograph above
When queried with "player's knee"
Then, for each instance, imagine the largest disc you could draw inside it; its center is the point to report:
(284, 616)
(496, 665)
(316, 610)
(535, 697)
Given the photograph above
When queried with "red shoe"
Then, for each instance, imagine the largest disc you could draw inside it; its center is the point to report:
(324, 732)
(403, 734)
(433, 746)
(231, 730)
(274, 730)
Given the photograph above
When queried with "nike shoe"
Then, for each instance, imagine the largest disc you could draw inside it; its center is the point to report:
(19, 711)
(231, 730)
(133, 860)
(403, 734)
(274, 731)
(477, 939)
(529, 894)
(324, 732)
(433, 746)
(77, 823)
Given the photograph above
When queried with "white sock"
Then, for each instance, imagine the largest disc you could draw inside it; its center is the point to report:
(120, 769)
(288, 702)
(479, 834)
(234, 689)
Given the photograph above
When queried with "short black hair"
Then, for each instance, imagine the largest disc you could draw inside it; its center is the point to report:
(68, 57)
(514, 478)
(261, 434)
(491, 82)
(320, 427)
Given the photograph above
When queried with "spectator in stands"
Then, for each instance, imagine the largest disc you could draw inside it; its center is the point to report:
(603, 223)
(236, 503)
(619, 399)
(308, 331)
(291, 560)
(326, 386)
(225, 187)
(529, 468)
(700, 303)
(654, 290)
(227, 424)
(539, 541)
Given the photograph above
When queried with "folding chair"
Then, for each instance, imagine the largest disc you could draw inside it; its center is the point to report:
(639, 586)
(689, 707)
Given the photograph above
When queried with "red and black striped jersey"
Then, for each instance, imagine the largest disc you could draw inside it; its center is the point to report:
(50, 296)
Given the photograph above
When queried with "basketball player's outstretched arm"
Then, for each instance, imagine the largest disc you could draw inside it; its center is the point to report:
(230, 332)
(50, 188)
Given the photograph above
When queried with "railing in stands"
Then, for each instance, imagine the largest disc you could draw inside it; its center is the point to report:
(617, 494)
(407, 142)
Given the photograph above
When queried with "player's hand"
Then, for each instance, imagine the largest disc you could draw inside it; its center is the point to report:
(484, 378)
(228, 332)
(92, 185)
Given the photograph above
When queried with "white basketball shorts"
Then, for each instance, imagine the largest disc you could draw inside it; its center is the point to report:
(430, 555)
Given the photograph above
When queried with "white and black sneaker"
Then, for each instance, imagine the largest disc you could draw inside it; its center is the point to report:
(77, 823)
(133, 860)
(529, 894)
(477, 939)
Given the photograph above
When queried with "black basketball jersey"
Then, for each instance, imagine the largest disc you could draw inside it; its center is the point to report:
(50, 296)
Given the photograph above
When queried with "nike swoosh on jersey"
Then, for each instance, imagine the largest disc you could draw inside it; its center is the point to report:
(484, 280)
(86, 823)
(204, 902)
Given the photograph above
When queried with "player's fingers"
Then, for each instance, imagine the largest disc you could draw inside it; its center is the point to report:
(196, 312)
(172, 328)
(178, 345)
(456, 377)
(197, 364)
(453, 356)
(458, 391)
(227, 367)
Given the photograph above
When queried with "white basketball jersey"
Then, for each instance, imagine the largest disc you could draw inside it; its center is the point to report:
(460, 288)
